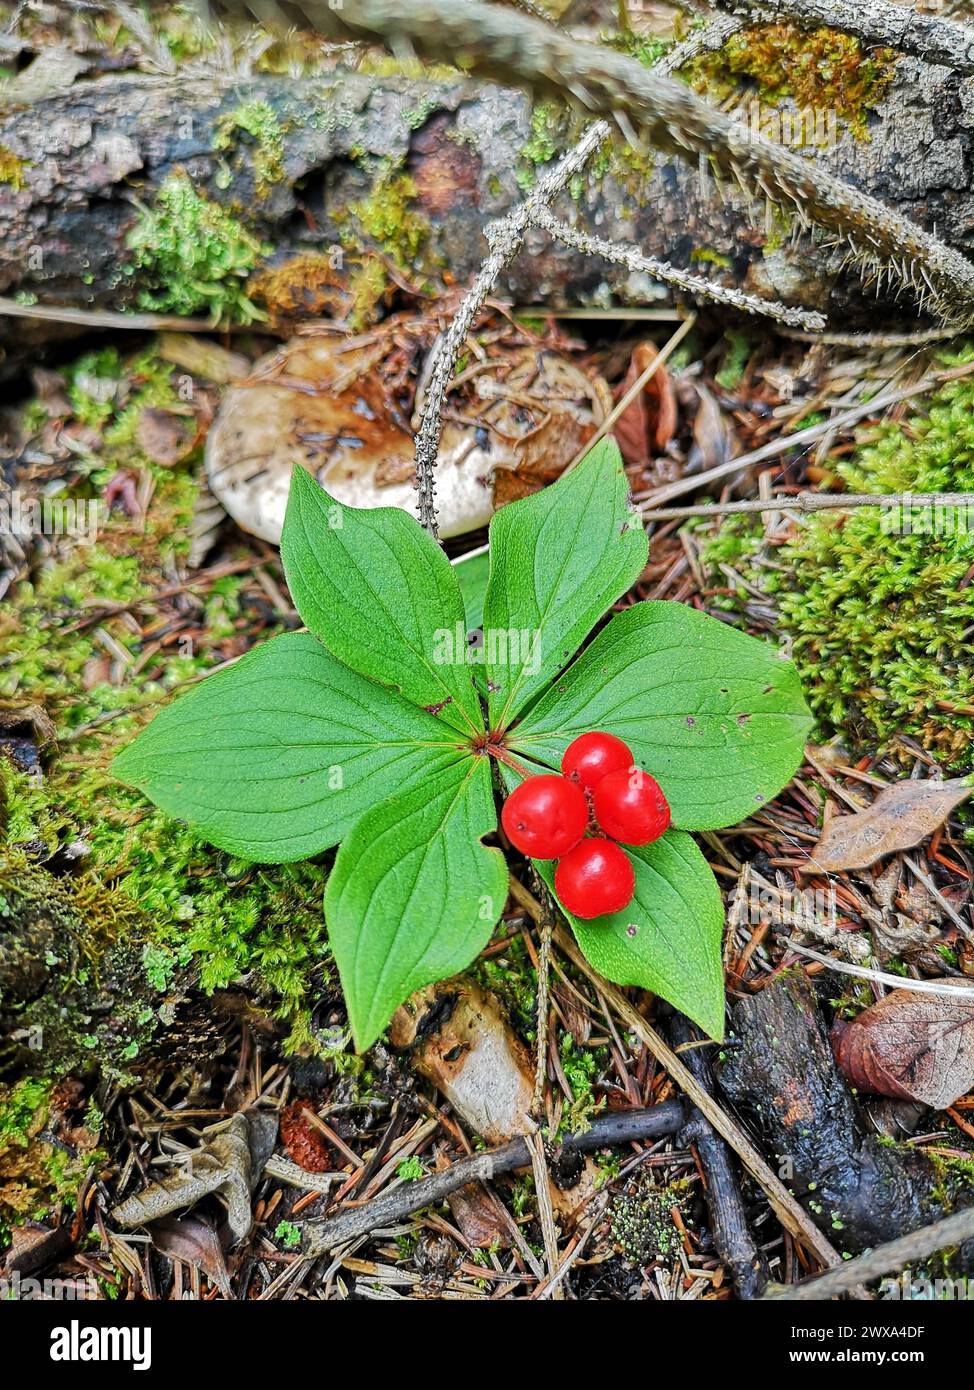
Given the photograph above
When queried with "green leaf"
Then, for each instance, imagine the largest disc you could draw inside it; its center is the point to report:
(559, 560)
(668, 939)
(276, 757)
(381, 595)
(472, 575)
(414, 895)
(717, 717)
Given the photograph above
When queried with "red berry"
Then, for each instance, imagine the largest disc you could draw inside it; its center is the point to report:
(595, 878)
(545, 816)
(630, 806)
(590, 756)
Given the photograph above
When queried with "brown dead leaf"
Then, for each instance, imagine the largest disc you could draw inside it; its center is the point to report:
(167, 436)
(229, 1160)
(476, 1213)
(899, 818)
(646, 426)
(911, 1046)
(193, 1241)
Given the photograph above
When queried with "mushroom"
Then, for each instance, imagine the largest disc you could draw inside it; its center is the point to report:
(335, 405)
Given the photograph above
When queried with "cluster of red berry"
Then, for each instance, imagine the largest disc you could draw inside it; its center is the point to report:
(547, 817)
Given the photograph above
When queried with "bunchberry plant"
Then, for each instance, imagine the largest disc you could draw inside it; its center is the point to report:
(360, 733)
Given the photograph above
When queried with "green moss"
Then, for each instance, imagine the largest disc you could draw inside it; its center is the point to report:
(229, 922)
(410, 1169)
(648, 48)
(190, 254)
(553, 128)
(735, 359)
(544, 142)
(954, 1178)
(706, 255)
(512, 977)
(11, 167)
(367, 285)
(878, 620)
(819, 69)
(642, 1223)
(35, 1174)
(288, 1234)
(388, 216)
(259, 121)
(581, 1066)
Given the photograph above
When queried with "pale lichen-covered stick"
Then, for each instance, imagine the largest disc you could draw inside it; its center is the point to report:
(496, 42)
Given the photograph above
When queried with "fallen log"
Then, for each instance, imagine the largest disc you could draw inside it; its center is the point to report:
(862, 1189)
(408, 172)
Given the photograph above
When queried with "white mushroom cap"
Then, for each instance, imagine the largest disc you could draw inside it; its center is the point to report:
(321, 401)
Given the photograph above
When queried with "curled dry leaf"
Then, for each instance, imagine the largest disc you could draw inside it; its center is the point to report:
(899, 818)
(194, 1242)
(230, 1161)
(167, 436)
(646, 426)
(911, 1046)
(342, 409)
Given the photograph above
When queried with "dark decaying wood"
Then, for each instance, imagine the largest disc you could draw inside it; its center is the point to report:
(732, 1237)
(781, 1074)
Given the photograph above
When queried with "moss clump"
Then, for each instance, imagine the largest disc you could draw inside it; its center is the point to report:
(224, 921)
(648, 48)
(191, 254)
(954, 1179)
(643, 1225)
(259, 121)
(582, 1067)
(388, 216)
(11, 167)
(35, 1173)
(818, 69)
(553, 129)
(879, 620)
(547, 131)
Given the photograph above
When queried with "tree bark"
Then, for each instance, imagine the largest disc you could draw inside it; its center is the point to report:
(781, 1072)
(90, 154)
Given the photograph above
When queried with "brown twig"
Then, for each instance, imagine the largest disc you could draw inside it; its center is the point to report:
(620, 1127)
(808, 502)
(732, 1238)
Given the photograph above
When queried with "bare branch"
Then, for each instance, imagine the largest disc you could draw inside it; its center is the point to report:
(808, 502)
(505, 238)
(619, 1128)
(707, 40)
(674, 275)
